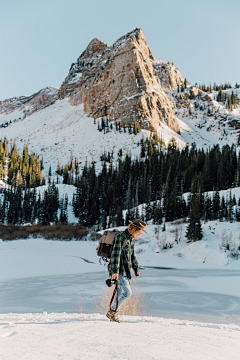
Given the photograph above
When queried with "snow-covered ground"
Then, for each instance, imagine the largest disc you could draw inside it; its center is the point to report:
(203, 129)
(81, 336)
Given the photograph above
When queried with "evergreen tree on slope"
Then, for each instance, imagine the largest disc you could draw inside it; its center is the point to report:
(194, 228)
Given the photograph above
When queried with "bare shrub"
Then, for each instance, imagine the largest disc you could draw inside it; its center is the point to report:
(80, 305)
(226, 239)
(142, 241)
(134, 306)
(94, 236)
(139, 251)
(178, 232)
(180, 221)
(227, 244)
(163, 242)
(57, 231)
(15, 235)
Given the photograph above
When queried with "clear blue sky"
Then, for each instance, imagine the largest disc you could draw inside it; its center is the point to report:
(40, 39)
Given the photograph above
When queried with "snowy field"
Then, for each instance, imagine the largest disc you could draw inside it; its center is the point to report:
(75, 336)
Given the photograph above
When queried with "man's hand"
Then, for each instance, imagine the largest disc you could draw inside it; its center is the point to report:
(114, 276)
(137, 274)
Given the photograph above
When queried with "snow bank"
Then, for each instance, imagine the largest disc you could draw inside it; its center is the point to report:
(82, 336)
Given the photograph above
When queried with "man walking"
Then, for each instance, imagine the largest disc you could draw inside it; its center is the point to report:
(122, 262)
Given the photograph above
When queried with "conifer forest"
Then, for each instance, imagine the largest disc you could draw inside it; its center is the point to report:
(171, 183)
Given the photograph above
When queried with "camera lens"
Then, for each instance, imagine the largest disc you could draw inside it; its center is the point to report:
(109, 282)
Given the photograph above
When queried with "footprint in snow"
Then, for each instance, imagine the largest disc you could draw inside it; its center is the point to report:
(4, 326)
(8, 334)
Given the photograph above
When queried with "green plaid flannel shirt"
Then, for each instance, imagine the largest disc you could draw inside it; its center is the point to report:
(119, 263)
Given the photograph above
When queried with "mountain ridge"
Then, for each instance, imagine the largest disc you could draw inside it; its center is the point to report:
(55, 124)
(119, 82)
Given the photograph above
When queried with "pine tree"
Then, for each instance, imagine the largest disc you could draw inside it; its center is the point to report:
(171, 205)
(49, 205)
(137, 215)
(230, 208)
(220, 95)
(222, 214)
(164, 227)
(14, 214)
(216, 205)
(128, 216)
(194, 228)
(3, 207)
(158, 214)
(148, 208)
(63, 210)
(143, 148)
(65, 175)
(119, 217)
(208, 208)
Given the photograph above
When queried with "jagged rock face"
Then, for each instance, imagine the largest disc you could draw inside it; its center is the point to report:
(194, 92)
(30, 104)
(169, 76)
(119, 81)
(86, 60)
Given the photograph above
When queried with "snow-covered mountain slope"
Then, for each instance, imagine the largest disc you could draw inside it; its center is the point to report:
(203, 120)
(91, 336)
(26, 105)
(60, 130)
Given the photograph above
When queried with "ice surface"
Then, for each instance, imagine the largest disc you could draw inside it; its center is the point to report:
(41, 275)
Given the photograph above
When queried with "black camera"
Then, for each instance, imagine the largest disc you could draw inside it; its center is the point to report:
(111, 282)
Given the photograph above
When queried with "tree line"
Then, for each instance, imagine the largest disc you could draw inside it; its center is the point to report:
(25, 205)
(20, 169)
(159, 178)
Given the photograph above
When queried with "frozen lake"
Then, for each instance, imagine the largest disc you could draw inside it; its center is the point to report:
(192, 294)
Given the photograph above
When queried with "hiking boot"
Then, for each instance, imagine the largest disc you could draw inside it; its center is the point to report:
(112, 315)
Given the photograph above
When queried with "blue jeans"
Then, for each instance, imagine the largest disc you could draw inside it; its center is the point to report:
(124, 291)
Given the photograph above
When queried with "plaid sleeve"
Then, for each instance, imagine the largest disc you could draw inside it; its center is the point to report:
(116, 254)
(135, 265)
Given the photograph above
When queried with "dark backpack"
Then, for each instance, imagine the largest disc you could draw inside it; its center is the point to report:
(105, 246)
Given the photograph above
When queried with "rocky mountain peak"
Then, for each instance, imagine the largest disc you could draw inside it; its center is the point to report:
(119, 81)
(169, 76)
(95, 46)
(137, 39)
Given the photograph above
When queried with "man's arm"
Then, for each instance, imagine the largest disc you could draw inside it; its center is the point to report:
(135, 265)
